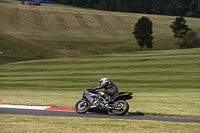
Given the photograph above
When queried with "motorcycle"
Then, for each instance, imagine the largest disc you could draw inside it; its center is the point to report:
(96, 100)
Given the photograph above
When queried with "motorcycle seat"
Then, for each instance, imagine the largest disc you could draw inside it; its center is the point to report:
(121, 93)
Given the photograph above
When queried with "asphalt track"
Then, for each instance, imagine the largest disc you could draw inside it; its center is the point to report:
(90, 115)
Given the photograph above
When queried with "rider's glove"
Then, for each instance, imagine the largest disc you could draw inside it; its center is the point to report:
(93, 89)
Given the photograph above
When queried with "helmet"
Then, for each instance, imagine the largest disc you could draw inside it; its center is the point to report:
(103, 81)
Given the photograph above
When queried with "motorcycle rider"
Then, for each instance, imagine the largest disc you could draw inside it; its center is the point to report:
(110, 88)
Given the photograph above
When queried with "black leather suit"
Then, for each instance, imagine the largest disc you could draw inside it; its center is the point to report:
(110, 88)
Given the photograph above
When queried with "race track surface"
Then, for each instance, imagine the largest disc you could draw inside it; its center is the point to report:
(90, 115)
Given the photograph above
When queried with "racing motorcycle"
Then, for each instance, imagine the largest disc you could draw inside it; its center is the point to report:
(96, 100)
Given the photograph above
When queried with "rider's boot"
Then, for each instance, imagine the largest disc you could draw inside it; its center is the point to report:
(108, 99)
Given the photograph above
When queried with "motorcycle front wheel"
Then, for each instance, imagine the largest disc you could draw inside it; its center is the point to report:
(121, 108)
(82, 106)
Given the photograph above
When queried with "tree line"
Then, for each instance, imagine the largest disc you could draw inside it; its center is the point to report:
(189, 8)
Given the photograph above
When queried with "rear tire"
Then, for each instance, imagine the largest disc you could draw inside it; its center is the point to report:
(122, 108)
(82, 106)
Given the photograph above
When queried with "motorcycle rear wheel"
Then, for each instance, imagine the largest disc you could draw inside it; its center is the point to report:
(82, 106)
(122, 108)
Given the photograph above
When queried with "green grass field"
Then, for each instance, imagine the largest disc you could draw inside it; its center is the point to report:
(164, 83)
(27, 30)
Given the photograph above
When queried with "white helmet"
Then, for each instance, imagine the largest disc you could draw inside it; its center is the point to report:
(103, 81)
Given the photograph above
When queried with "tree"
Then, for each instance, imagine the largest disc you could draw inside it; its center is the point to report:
(194, 9)
(158, 6)
(179, 28)
(102, 5)
(183, 7)
(143, 32)
(79, 3)
(91, 4)
(23, 2)
(190, 40)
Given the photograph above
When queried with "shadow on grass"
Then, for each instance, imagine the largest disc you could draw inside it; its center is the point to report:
(162, 115)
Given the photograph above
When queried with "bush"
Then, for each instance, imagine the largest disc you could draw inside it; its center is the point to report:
(191, 40)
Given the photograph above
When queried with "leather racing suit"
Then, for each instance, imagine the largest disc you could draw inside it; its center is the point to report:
(110, 88)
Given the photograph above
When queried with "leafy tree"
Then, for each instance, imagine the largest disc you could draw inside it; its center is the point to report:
(143, 32)
(159, 5)
(79, 3)
(171, 9)
(179, 28)
(111, 5)
(23, 2)
(102, 5)
(91, 4)
(143, 6)
(190, 40)
(183, 7)
(194, 9)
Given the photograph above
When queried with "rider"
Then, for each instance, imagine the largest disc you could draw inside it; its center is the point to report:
(110, 88)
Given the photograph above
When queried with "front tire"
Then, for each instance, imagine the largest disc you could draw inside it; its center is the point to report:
(82, 106)
(121, 109)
